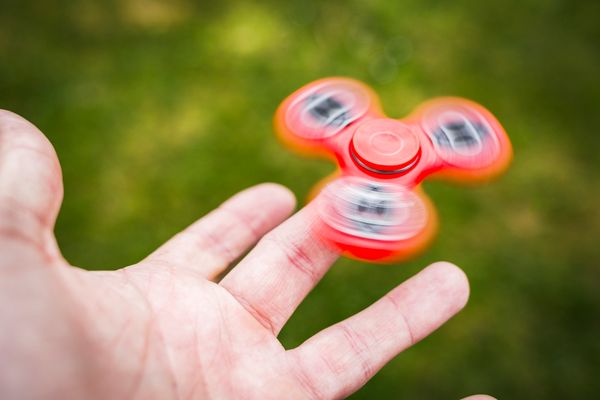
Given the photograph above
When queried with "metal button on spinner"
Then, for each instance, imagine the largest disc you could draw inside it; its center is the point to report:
(385, 146)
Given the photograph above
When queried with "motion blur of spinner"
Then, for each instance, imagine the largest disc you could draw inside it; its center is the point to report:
(372, 207)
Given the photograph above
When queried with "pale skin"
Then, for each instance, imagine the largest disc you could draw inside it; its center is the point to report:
(168, 327)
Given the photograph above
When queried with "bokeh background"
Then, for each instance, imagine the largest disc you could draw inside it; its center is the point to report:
(160, 110)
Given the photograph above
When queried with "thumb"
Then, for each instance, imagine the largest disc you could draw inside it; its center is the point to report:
(30, 185)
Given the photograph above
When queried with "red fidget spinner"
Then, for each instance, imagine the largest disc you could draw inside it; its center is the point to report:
(372, 207)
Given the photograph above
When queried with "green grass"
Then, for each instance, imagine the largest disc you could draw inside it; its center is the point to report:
(161, 110)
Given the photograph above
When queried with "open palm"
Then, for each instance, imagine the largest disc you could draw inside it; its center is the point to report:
(166, 327)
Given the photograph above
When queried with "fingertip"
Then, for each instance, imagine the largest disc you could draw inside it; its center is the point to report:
(479, 397)
(453, 282)
(6, 114)
(17, 133)
(279, 193)
(15, 127)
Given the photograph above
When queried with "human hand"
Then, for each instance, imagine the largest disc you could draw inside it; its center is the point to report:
(166, 327)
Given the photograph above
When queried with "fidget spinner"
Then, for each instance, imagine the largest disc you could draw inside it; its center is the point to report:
(372, 207)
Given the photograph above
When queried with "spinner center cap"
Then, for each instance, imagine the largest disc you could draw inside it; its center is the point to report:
(385, 146)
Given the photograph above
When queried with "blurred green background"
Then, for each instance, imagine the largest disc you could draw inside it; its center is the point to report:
(161, 110)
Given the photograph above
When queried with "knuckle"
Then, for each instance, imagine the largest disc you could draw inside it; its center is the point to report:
(212, 242)
(238, 218)
(307, 379)
(359, 348)
(296, 255)
(263, 317)
(21, 225)
(395, 303)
